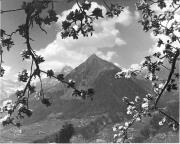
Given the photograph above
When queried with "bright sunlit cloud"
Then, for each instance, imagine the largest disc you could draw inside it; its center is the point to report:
(73, 52)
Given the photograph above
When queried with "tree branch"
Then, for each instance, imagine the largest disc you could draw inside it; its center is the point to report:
(168, 116)
(5, 11)
(165, 67)
(61, 81)
(169, 77)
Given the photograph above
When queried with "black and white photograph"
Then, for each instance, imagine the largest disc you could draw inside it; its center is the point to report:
(89, 71)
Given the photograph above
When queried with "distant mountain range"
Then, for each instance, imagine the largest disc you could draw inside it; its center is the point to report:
(8, 87)
(106, 106)
(94, 73)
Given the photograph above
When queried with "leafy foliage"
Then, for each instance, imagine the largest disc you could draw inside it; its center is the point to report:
(80, 21)
(161, 23)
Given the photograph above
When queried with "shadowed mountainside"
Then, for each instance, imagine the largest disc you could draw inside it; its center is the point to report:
(93, 73)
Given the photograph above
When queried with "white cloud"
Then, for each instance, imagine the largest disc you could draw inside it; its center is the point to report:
(107, 56)
(73, 52)
(7, 69)
(55, 65)
(8, 86)
(9, 83)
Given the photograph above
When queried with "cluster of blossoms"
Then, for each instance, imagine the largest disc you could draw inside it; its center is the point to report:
(140, 107)
(121, 132)
(164, 121)
(7, 106)
(137, 108)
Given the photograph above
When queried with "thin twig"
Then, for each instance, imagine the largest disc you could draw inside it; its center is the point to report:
(169, 77)
(5, 11)
(63, 81)
(168, 116)
(165, 67)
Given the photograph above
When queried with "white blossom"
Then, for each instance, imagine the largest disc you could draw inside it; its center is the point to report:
(1, 109)
(20, 106)
(86, 2)
(7, 102)
(120, 133)
(156, 90)
(174, 127)
(132, 103)
(115, 135)
(161, 123)
(120, 127)
(137, 99)
(161, 85)
(129, 112)
(130, 109)
(114, 129)
(135, 115)
(75, 27)
(138, 119)
(126, 124)
(125, 99)
(20, 131)
(145, 105)
(70, 80)
(149, 97)
(133, 108)
(8, 105)
(145, 99)
(30, 110)
(160, 61)
(142, 62)
(150, 76)
(164, 119)
(4, 118)
(120, 140)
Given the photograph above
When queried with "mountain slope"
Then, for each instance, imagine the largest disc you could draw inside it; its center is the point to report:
(50, 83)
(93, 73)
(90, 69)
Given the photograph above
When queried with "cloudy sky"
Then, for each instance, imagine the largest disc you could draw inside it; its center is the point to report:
(119, 40)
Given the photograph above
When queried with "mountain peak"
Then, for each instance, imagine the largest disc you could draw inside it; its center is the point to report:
(94, 56)
(91, 68)
(65, 70)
